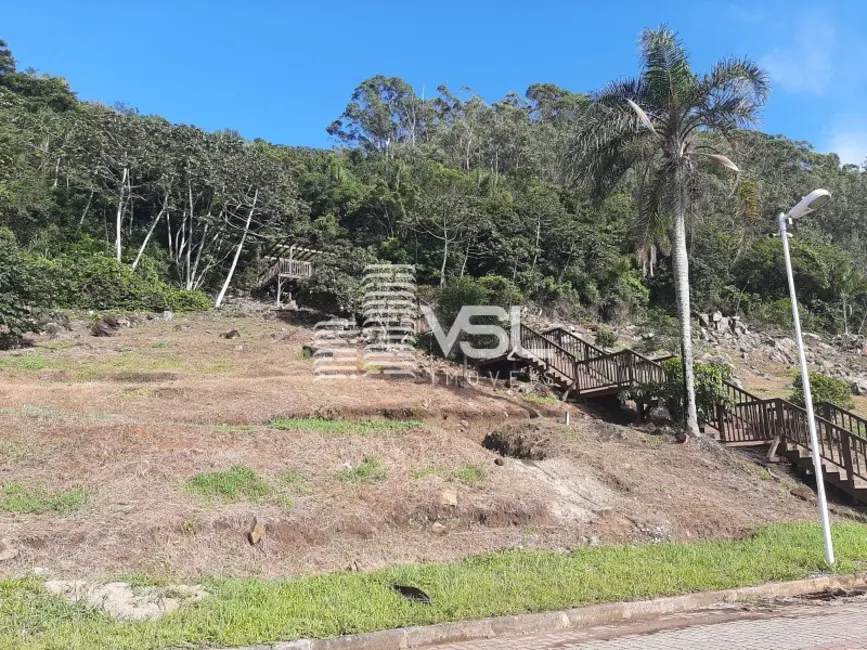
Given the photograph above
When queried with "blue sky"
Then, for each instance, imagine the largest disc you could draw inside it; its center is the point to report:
(284, 70)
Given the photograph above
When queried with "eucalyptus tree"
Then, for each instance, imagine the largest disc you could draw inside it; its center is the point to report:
(653, 124)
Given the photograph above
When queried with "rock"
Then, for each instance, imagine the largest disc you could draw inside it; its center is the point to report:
(804, 493)
(121, 601)
(314, 351)
(7, 551)
(464, 424)
(499, 461)
(724, 324)
(168, 315)
(52, 329)
(256, 534)
(232, 334)
(716, 317)
(103, 329)
(660, 416)
(859, 385)
(704, 320)
(449, 498)
(438, 529)
(123, 321)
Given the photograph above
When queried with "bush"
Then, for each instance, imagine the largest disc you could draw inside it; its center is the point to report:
(88, 278)
(606, 337)
(20, 292)
(824, 389)
(709, 389)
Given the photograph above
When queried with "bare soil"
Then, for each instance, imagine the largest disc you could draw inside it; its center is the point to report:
(133, 417)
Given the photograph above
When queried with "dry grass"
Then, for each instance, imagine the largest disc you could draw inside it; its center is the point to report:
(134, 420)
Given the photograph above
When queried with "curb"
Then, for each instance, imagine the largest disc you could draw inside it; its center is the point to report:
(408, 638)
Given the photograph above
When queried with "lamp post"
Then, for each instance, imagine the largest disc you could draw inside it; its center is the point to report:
(813, 201)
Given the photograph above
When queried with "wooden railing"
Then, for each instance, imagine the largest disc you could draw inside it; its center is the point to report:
(285, 267)
(537, 345)
(843, 418)
(577, 346)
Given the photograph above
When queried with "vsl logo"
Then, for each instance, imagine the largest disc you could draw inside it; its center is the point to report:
(463, 323)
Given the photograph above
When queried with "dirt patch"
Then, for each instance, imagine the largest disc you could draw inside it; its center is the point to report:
(124, 601)
(531, 441)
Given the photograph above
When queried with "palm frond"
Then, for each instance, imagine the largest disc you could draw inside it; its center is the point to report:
(666, 72)
(731, 96)
(650, 232)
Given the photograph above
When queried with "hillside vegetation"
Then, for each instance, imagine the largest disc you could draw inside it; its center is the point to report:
(102, 207)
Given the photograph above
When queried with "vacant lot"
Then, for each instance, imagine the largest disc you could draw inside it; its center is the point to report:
(153, 452)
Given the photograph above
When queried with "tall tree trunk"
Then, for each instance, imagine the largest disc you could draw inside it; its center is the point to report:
(681, 287)
(231, 272)
(118, 223)
(150, 232)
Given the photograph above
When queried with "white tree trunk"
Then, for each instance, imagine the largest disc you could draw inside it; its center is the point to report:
(150, 232)
(681, 287)
(231, 272)
(118, 225)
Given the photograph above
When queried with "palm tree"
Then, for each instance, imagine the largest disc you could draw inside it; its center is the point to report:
(653, 125)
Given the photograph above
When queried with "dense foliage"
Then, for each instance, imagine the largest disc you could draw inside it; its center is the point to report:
(823, 389)
(114, 208)
(709, 389)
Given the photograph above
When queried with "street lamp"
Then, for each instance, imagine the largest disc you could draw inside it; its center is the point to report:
(813, 201)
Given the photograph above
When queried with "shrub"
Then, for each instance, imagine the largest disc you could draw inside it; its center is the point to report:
(824, 389)
(709, 389)
(606, 337)
(19, 292)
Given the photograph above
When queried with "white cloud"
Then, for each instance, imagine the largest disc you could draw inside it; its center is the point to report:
(848, 139)
(804, 63)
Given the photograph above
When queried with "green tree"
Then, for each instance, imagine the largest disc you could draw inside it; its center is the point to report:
(653, 125)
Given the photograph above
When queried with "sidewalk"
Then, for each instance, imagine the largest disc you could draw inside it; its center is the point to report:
(815, 626)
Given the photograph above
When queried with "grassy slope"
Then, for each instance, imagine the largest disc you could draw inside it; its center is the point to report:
(246, 611)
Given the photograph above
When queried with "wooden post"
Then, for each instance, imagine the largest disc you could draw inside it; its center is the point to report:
(721, 421)
(847, 458)
(279, 289)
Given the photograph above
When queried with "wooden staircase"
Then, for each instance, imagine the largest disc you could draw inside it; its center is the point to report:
(582, 369)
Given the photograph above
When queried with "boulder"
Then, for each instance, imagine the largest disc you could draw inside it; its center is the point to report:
(232, 334)
(52, 329)
(704, 320)
(103, 329)
(168, 315)
(859, 385)
(724, 324)
(716, 317)
(660, 416)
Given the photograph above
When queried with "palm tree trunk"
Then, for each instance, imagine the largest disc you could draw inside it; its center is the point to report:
(681, 289)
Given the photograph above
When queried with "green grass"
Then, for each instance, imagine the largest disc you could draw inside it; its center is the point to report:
(295, 481)
(369, 471)
(346, 427)
(24, 362)
(541, 400)
(20, 498)
(468, 474)
(244, 611)
(471, 474)
(235, 484)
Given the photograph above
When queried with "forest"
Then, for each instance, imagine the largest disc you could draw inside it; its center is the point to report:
(104, 208)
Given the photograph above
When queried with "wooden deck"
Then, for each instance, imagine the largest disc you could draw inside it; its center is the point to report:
(582, 369)
(293, 264)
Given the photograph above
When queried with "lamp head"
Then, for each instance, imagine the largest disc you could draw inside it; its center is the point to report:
(813, 201)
